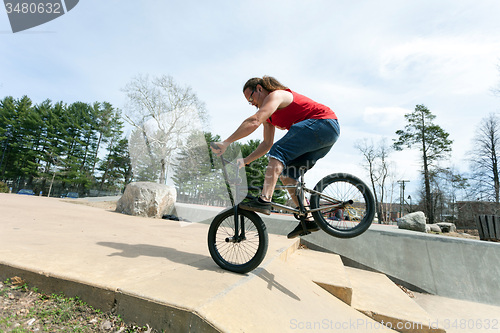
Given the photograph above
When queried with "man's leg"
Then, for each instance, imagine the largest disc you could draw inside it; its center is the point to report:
(290, 181)
(273, 171)
(263, 204)
(309, 220)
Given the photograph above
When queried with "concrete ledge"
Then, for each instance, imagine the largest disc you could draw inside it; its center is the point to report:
(196, 213)
(156, 314)
(132, 308)
(97, 297)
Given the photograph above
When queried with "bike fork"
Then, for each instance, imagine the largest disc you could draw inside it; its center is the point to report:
(238, 226)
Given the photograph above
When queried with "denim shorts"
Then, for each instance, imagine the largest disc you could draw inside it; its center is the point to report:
(304, 144)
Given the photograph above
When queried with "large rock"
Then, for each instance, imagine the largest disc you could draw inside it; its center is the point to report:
(432, 228)
(413, 221)
(447, 227)
(147, 199)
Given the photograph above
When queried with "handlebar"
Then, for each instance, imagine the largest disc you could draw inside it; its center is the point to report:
(236, 181)
(224, 161)
(214, 145)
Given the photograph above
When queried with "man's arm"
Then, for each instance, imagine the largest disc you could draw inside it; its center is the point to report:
(264, 146)
(271, 103)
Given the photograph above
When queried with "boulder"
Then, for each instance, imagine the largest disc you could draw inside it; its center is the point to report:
(432, 228)
(413, 221)
(147, 199)
(447, 227)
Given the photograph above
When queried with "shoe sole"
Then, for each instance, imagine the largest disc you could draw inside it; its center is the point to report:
(301, 231)
(255, 209)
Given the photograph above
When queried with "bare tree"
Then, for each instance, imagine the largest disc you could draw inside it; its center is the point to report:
(496, 88)
(484, 159)
(165, 114)
(378, 168)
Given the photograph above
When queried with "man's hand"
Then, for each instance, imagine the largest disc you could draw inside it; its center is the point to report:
(219, 147)
(240, 162)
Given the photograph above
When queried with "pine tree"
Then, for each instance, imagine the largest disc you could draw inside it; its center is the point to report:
(431, 140)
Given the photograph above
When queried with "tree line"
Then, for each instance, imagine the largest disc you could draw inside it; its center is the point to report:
(60, 148)
(56, 148)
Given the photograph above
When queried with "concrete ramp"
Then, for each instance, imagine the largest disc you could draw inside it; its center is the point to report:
(324, 269)
(275, 299)
(160, 272)
(370, 293)
(379, 298)
(458, 316)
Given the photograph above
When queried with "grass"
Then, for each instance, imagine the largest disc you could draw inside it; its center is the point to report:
(25, 309)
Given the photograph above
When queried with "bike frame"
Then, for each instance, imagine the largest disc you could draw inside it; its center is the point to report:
(300, 190)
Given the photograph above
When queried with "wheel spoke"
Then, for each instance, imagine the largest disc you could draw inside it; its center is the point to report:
(236, 252)
(354, 216)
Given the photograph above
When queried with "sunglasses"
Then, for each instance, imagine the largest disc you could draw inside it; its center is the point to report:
(250, 99)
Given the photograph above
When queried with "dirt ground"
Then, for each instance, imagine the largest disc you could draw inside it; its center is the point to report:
(460, 234)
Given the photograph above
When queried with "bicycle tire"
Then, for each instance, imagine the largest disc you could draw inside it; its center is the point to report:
(355, 217)
(245, 255)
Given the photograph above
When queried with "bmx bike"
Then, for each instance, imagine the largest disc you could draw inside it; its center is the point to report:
(340, 203)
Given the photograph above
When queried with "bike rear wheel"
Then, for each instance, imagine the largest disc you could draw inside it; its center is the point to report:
(346, 205)
(237, 253)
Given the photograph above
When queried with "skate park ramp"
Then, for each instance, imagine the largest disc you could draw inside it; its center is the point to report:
(159, 272)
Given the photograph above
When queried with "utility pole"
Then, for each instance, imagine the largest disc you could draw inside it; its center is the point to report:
(402, 196)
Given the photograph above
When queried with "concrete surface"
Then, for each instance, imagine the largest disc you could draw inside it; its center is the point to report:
(459, 268)
(456, 316)
(160, 272)
(371, 294)
(446, 266)
(324, 269)
(440, 265)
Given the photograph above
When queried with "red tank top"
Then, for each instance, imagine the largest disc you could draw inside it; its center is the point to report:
(300, 109)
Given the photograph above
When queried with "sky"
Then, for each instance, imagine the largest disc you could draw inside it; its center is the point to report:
(370, 61)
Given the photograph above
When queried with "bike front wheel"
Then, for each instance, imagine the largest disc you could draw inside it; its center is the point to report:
(240, 252)
(345, 205)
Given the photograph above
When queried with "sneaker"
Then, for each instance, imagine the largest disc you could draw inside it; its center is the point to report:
(257, 205)
(310, 226)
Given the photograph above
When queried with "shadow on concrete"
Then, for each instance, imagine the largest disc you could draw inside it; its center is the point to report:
(202, 262)
(272, 283)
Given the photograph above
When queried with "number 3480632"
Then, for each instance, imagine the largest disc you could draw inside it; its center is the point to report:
(33, 8)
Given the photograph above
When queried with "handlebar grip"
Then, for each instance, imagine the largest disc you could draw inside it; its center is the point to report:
(214, 145)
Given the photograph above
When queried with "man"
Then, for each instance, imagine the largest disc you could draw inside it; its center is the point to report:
(313, 128)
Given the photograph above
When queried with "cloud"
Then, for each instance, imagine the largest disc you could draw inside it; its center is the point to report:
(392, 117)
(459, 65)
